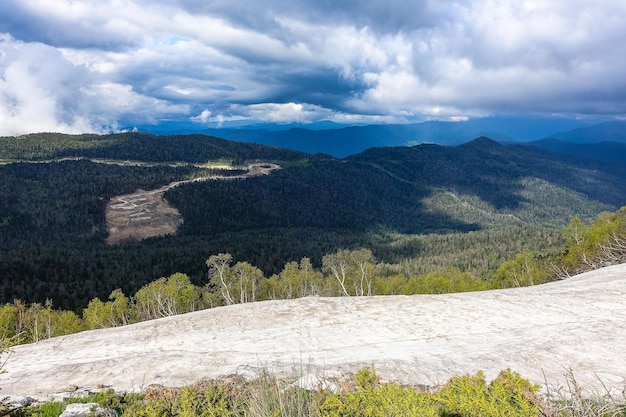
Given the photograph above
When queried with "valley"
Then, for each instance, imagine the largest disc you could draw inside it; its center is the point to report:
(67, 234)
(119, 271)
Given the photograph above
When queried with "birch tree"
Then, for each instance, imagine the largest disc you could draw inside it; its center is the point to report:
(248, 279)
(339, 265)
(220, 274)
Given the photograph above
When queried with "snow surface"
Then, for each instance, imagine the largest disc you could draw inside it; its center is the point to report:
(542, 332)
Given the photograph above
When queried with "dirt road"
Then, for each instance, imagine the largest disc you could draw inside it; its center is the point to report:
(145, 214)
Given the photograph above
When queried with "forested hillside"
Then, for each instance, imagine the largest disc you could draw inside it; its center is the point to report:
(136, 147)
(419, 209)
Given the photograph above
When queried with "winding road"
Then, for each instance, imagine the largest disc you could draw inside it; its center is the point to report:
(145, 214)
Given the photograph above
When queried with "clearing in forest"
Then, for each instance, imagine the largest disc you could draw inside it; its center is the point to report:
(145, 214)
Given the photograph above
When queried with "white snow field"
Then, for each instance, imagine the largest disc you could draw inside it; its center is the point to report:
(542, 332)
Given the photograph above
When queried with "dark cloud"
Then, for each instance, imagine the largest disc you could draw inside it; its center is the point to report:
(381, 15)
(92, 65)
(25, 21)
(315, 86)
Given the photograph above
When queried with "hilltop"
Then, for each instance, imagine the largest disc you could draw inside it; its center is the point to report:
(542, 332)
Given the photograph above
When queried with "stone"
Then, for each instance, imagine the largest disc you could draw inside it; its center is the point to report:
(85, 409)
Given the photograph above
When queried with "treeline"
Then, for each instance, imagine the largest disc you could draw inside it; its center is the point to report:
(137, 147)
(343, 273)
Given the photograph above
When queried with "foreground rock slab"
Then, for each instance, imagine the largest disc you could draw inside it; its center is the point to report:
(543, 332)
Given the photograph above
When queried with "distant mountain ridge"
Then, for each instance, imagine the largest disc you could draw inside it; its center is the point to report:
(613, 152)
(341, 141)
(604, 132)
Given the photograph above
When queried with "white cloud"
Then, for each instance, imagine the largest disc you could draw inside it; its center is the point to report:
(40, 90)
(204, 117)
(140, 60)
(280, 112)
(35, 85)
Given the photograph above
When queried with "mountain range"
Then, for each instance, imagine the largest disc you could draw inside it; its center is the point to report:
(341, 141)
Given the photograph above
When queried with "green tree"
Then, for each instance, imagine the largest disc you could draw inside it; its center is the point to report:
(220, 275)
(448, 280)
(167, 297)
(34, 322)
(67, 322)
(294, 281)
(339, 265)
(120, 308)
(248, 278)
(20, 322)
(97, 314)
(286, 284)
(601, 243)
(364, 262)
(8, 320)
(390, 285)
(522, 271)
(310, 281)
(112, 313)
(272, 289)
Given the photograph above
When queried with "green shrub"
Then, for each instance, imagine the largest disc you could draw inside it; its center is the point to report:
(384, 400)
(462, 396)
(108, 399)
(470, 396)
(466, 396)
(52, 409)
(366, 378)
(212, 401)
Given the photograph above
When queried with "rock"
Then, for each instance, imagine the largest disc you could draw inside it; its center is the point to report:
(22, 400)
(13, 402)
(69, 394)
(577, 324)
(84, 409)
(313, 382)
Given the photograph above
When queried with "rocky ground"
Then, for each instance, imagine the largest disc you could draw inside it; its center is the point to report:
(543, 332)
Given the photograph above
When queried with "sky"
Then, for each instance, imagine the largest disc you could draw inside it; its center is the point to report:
(78, 66)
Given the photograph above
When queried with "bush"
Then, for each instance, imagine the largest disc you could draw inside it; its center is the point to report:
(467, 396)
(508, 395)
(462, 396)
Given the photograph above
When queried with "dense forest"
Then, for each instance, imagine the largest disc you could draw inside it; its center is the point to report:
(344, 273)
(419, 210)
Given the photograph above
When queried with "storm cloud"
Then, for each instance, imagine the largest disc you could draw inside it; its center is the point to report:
(78, 65)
